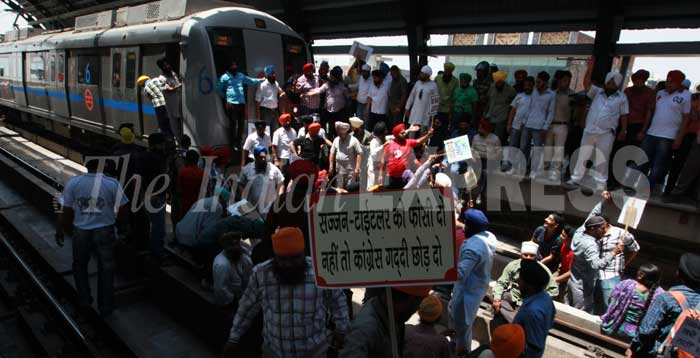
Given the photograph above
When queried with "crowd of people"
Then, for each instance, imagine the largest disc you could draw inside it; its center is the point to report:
(246, 225)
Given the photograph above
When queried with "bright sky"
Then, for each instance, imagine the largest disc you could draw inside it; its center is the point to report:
(658, 66)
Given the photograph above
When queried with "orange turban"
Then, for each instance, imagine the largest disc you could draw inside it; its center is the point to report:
(314, 128)
(430, 309)
(508, 341)
(398, 129)
(288, 241)
(418, 291)
(285, 118)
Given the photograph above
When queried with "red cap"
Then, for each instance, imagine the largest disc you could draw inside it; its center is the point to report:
(314, 128)
(520, 74)
(675, 76)
(398, 129)
(486, 125)
(308, 67)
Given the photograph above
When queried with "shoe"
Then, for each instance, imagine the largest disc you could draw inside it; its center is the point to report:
(570, 185)
(554, 177)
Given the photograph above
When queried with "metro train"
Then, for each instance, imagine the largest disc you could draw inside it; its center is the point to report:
(83, 81)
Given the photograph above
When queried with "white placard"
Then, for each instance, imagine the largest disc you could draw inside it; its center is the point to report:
(434, 104)
(458, 149)
(470, 179)
(632, 211)
(688, 337)
(389, 238)
(361, 52)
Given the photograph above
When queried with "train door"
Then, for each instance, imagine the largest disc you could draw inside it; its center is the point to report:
(120, 100)
(18, 79)
(58, 100)
(37, 80)
(112, 93)
(130, 59)
(262, 49)
(6, 78)
(84, 85)
(150, 54)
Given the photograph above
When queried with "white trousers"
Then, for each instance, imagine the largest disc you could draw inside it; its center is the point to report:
(554, 145)
(599, 144)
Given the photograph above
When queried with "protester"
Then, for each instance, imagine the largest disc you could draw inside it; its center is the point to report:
(500, 95)
(396, 155)
(285, 280)
(230, 273)
(361, 88)
(642, 101)
(255, 139)
(204, 213)
(446, 84)
(482, 84)
(189, 183)
(466, 98)
(398, 93)
(377, 99)
(520, 109)
(171, 86)
(540, 116)
(688, 185)
(260, 181)
(486, 147)
(151, 165)
(323, 69)
(308, 146)
(507, 296)
(567, 258)
(548, 240)
(282, 140)
(473, 276)
(587, 258)
(267, 97)
(665, 309)
(558, 132)
(376, 152)
(421, 339)
(520, 76)
(536, 315)
(90, 202)
(336, 98)
(418, 105)
(362, 135)
(507, 341)
(230, 86)
(345, 156)
(369, 333)
(608, 110)
(681, 155)
(667, 128)
(629, 302)
(152, 90)
(305, 87)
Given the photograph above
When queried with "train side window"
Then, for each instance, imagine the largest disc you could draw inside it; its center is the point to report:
(116, 70)
(130, 70)
(52, 68)
(60, 69)
(89, 70)
(4, 66)
(37, 67)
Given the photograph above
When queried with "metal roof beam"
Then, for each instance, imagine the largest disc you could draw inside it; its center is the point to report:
(88, 10)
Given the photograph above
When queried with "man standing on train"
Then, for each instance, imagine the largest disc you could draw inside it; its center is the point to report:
(171, 85)
(152, 89)
(230, 86)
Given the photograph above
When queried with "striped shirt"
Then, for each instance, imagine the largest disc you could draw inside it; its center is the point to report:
(294, 316)
(607, 244)
(152, 89)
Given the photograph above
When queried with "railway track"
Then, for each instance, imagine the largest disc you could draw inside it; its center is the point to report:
(87, 335)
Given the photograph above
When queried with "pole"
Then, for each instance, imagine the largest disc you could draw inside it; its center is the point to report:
(392, 323)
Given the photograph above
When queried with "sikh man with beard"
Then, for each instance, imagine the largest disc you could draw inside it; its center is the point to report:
(336, 98)
(418, 103)
(345, 156)
(260, 181)
(282, 140)
(267, 96)
(446, 83)
(294, 309)
(304, 86)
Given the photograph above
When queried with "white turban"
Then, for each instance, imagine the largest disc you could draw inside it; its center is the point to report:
(529, 247)
(442, 180)
(342, 126)
(366, 67)
(616, 76)
(355, 122)
(427, 70)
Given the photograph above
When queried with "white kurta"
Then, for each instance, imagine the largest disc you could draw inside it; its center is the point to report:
(418, 102)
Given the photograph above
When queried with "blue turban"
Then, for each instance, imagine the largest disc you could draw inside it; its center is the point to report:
(384, 67)
(475, 222)
(259, 149)
(269, 70)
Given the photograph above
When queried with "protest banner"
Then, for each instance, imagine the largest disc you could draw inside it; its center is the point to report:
(360, 51)
(390, 238)
(434, 104)
(632, 212)
(458, 149)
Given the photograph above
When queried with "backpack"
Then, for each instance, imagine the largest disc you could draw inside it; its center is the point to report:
(668, 348)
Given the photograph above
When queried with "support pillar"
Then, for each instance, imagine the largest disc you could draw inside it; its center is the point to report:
(606, 37)
(415, 32)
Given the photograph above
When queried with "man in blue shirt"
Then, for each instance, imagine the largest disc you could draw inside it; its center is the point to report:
(664, 310)
(536, 315)
(230, 86)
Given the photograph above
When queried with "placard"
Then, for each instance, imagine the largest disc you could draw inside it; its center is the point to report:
(632, 211)
(434, 104)
(688, 337)
(458, 149)
(389, 238)
(360, 51)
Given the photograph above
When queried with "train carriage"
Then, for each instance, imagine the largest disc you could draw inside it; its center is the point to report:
(85, 78)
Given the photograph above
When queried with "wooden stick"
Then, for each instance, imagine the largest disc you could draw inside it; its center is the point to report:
(392, 323)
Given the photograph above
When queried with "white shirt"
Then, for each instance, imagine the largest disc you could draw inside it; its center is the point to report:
(380, 98)
(418, 102)
(345, 153)
(268, 94)
(522, 103)
(541, 111)
(94, 198)
(229, 281)
(204, 212)
(172, 99)
(253, 140)
(604, 114)
(282, 139)
(260, 189)
(363, 89)
(376, 150)
(668, 117)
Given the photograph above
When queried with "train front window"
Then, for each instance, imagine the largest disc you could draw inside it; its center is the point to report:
(294, 56)
(37, 68)
(227, 47)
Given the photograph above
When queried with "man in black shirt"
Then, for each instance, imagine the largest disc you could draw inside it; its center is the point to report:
(309, 146)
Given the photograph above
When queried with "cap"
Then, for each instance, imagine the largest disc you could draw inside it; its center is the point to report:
(595, 221)
(141, 80)
(427, 70)
(534, 273)
(690, 267)
(529, 247)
